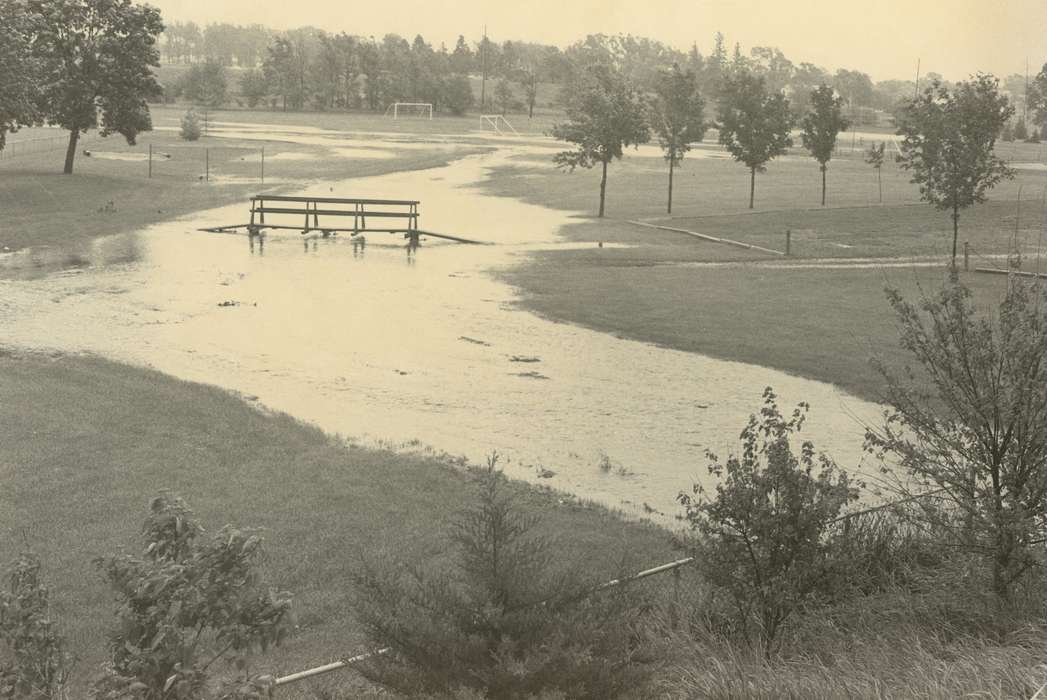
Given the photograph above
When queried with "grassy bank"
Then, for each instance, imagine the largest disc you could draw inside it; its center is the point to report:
(87, 443)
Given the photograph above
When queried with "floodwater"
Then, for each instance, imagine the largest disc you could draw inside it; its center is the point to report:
(391, 345)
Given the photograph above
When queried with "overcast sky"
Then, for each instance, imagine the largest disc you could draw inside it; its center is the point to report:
(883, 38)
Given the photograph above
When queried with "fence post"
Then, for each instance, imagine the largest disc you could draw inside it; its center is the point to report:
(788, 241)
(150, 160)
(207, 164)
(263, 165)
(966, 256)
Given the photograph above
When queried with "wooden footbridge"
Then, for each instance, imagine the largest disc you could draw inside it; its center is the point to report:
(327, 216)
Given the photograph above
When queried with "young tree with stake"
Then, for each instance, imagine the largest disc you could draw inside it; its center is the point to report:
(678, 117)
(948, 141)
(821, 126)
(754, 124)
(95, 56)
(604, 116)
(874, 157)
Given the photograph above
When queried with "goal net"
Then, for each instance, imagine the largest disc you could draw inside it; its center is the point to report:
(496, 122)
(417, 110)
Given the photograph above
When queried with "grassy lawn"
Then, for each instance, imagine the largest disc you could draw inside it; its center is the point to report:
(823, 324)
(87, 443)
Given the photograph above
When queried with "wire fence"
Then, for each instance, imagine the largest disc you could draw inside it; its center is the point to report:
(34, 146)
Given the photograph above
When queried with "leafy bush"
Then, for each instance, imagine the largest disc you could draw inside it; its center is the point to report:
(35, 664)
(457, 94)
(762, 538)
(191, 126)
(499, 621)
(978, 436)
(186, 604)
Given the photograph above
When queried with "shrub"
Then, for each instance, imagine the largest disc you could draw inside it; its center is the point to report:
(185, 604)
(1021, 132)
(191, 126)
(762, 538)
(35, 664)
(498, 621)
(457, 94)
(977, 432)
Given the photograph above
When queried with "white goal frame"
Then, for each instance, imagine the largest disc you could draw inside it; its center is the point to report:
(496, 122)
(395, 107)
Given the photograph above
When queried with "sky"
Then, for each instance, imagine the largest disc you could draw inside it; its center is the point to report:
(883, 38)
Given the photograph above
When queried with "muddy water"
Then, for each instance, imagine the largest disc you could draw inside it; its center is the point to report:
(382, 343)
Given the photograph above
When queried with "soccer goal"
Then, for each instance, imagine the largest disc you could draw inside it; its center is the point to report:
(423, 110)
(497, 122)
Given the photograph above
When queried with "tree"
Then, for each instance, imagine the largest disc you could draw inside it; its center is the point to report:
(529, 83)
(1038, 98)
(457, 94)
(762, 536)
(1021, 132)
(678, 117)
(186, 603)
(604, 116)
(17, 82)
(874, 157)
(948, 141)
(95, 56)
(821, 126)
(254, 87)
(978, 432)
(205, 84)
(503, 95)
(754, 125)
(498, 619)
(191, 128)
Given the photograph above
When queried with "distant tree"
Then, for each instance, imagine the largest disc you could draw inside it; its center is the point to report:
(1034, 136)
(1038, 98)
(948, 141)
(529, 83)
(457, 94)
(1021, 132)
(17, 70)
(503, 95)
(205, 84)
(678, 117)
(875, 157)
(462, 57)
(762, 536)
(1007, 133)
(500, 619)
(254, 87)
(821, 126)
(95, 57)
(191, 127)
(284, 70)
(977, 433)
(604, 116)
(754, 125)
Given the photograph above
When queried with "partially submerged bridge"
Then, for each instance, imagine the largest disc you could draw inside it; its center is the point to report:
(332, 215)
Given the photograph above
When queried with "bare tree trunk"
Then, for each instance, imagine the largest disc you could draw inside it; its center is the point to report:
(603, 187)
(70, 153)
(752, 186)
(670, 209)
(824, 168)
(955, 232)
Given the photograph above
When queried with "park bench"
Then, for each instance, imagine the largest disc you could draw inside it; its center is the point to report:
(387, 215)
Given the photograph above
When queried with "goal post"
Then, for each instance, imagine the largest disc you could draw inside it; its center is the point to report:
(423, 110)
(496, 122)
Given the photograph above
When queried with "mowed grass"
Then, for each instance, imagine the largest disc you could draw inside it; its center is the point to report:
(87, 443)
(823, 324)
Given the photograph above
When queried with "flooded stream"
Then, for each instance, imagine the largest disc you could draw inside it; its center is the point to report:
(389, 345)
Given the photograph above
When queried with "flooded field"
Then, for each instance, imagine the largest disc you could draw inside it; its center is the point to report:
(389, 345)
